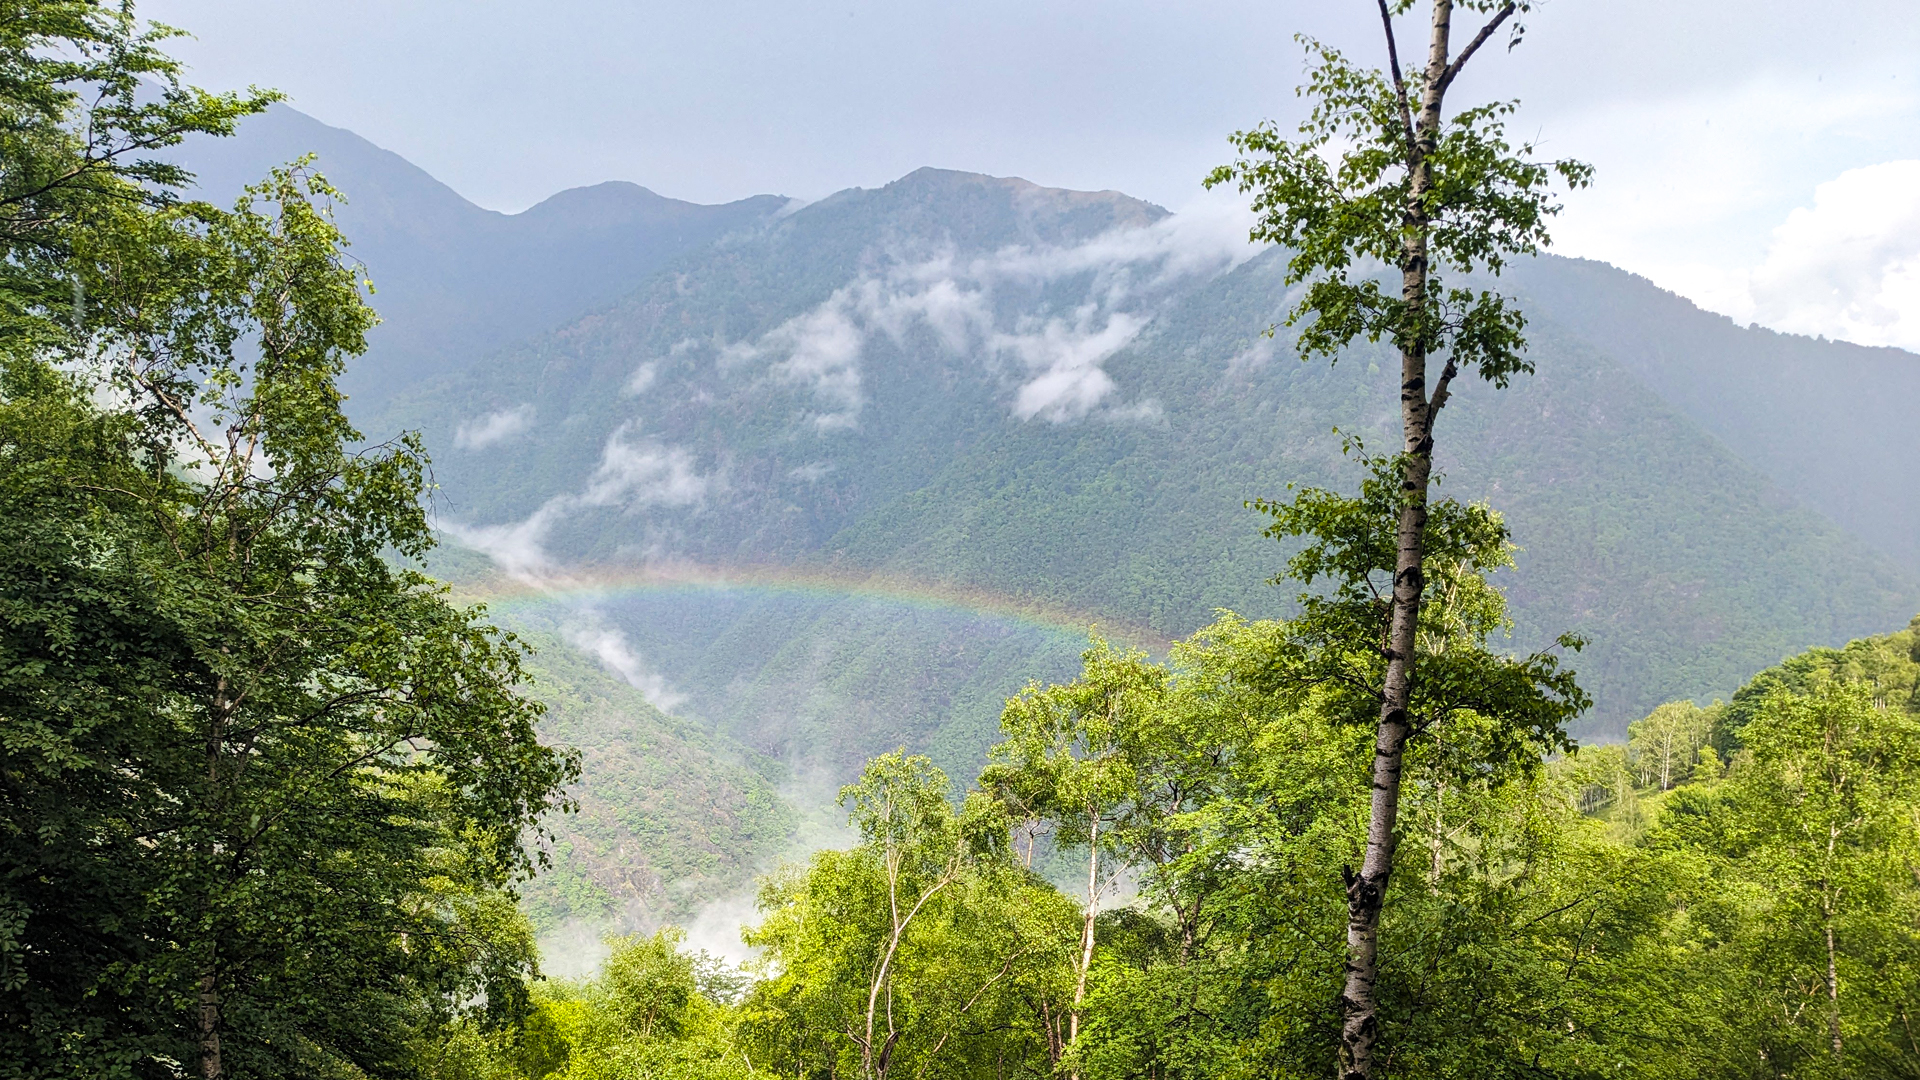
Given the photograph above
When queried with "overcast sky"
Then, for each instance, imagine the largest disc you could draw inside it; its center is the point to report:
(1758, 156)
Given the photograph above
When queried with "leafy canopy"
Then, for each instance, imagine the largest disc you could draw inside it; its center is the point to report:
(1341, 198)
(1502, 712)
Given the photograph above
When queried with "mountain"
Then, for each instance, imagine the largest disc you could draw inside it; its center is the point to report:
(454, 281)
(1830, 422)
(1064, 397)
(778, 488)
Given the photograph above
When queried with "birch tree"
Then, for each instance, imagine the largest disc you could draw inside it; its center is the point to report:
(1380, 174)
(1665, 744)
(1829, 798)
(1065, 762)
(917, 953)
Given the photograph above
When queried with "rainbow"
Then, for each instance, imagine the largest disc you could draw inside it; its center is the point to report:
(610, 583)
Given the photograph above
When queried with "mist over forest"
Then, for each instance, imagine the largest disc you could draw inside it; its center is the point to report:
(958, 627)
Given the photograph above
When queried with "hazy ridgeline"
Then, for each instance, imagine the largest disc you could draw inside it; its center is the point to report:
(876, 587)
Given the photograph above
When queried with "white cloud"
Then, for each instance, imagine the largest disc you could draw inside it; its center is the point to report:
(822, 351)
(609, 646)
(642, 378)
(716, 926)
(1253, 357)
(517, 548)
(1846, 267)
(1207, 237)
(1059, 358)
(1067, 357)
(1849, 265)
(493, 428)
(1780, 200)
(642, 474)
(631, 475)
(1147, 411)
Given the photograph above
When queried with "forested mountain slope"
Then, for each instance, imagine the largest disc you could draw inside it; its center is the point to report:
(1830, 422)
(453, 281)
(1066, 397)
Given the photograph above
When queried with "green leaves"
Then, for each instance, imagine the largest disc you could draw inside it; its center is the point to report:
(1081, 752)
(1510, 710)
(925, 950)
(1360, 190)
(263, 794)
(88, 98)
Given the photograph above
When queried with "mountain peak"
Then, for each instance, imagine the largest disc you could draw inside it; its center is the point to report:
(930, 180)
(977, 211)
(617, 203)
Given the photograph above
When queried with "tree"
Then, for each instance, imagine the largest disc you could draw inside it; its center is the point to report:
(1829, 796)
(644, 1016)
(305, 774)
(1665, 745)
(1488, 716)
(1225, 962)
(88, 98)
(1068, 760)
(1424, 193)
(926, 950)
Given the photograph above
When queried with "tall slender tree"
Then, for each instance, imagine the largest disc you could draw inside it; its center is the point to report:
(1066, 760)
(1381, 175)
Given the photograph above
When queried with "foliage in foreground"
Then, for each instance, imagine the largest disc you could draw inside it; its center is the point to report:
(263, 793)
(1731, 894)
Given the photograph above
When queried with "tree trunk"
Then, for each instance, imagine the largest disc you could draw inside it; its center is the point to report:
(1828, 907)
(1366, 891)
(1833, 991)
(219, 715)
(1086, 929)
(1439, 834)
(209, 1027)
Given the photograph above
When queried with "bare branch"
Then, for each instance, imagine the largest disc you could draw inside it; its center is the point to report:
(1473, 46)
(268, 822)
(1399, 83)
(1005, 970)
(178, 411)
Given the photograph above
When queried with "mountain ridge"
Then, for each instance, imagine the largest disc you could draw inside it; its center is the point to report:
(454, 280)
(980, 383)
(1031, 274)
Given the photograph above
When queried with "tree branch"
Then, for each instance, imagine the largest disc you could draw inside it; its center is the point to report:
(1479, 39)
(1441, 391)
(1005, 970)
(1399, 83)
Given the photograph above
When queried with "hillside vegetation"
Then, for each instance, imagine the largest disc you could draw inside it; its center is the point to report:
(1685, 566)
(1735, 880)
(1064, 640)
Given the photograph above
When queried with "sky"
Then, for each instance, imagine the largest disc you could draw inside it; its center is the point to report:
(1759, 157)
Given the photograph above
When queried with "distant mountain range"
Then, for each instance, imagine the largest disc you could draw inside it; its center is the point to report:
(454, 281)
(1052, 402)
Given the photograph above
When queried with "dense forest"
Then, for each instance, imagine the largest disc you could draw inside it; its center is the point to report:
(277, 801)
(1730, 894)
